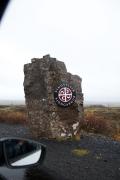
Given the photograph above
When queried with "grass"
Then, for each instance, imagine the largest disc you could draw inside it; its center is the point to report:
(97, 119)
(116, 137)
(102, 120)
(13, 114)
(96, 124)
(80, 152)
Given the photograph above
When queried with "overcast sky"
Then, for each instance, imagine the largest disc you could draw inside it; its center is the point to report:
(85, 34)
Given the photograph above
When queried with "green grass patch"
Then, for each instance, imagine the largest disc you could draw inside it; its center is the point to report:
(80, 152)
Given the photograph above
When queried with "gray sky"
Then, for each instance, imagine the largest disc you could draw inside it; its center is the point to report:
(83, 34)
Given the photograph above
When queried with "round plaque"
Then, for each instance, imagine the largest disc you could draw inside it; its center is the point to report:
(64, 95)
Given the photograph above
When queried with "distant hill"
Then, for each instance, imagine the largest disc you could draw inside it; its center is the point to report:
(106, 104)
(86, 103)
(12, 102)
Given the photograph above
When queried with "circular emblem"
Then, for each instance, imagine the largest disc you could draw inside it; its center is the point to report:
(64, 95)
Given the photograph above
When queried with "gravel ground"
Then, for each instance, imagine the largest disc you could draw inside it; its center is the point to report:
(102, 163)
(7, 130)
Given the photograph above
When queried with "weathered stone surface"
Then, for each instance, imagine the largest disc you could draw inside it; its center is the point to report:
(45, 117)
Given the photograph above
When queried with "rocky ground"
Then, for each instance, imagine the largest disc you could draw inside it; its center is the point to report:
(101, 163)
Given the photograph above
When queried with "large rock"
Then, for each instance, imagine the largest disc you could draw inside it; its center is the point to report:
(46, 118)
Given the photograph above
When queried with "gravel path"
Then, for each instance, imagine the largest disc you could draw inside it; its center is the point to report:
(7, 130)
(102, 163)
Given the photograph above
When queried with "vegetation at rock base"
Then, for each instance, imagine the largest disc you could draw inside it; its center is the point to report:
(102, 120)
(97, 119)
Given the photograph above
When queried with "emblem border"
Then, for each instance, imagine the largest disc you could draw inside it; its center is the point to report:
(61, 103)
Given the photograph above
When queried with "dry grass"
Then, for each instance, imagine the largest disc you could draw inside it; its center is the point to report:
(13, 114)
(102, 120)
(116, 137)
(96, 125)
(80, 152)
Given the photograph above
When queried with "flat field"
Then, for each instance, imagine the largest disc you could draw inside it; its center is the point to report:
(97, 119)
(103, 120)
(13, 114)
